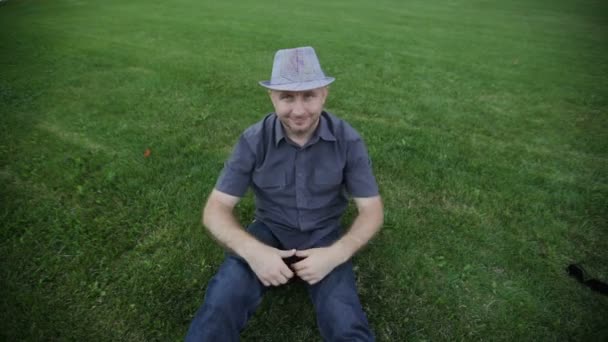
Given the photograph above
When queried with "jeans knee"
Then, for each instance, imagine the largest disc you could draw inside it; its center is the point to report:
(235, 284)
(231, 297)
(343, 322)
(340, 316)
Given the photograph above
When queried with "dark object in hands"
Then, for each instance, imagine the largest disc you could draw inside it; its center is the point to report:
(577, 271)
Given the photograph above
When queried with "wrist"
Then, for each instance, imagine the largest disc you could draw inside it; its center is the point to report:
(248, 248)
(342, 251)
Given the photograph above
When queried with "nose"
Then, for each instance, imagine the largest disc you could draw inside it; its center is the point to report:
(298, 107)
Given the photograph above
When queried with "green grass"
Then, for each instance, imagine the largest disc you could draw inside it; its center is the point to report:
(486, 121)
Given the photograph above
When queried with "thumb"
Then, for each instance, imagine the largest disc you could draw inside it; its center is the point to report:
(303, 253)
(286, 254)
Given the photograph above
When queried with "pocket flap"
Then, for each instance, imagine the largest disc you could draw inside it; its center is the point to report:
(269, 179)
(328, 177)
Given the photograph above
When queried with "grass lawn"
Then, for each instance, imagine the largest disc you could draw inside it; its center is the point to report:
(487, 122)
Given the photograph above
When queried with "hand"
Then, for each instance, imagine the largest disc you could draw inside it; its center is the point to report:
(268, 265)
(317, 264)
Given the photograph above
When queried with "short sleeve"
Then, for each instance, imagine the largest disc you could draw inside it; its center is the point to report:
(359, 177)
(236, 175)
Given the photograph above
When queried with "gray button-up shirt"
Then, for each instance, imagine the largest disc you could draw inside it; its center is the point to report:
(300, 192)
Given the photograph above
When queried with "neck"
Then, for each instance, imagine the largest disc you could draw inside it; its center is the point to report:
(300, 141)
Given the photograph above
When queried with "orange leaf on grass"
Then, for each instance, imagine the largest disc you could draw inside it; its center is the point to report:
(147, 153)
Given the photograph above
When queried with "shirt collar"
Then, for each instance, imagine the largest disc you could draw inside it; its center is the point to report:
(323, 131)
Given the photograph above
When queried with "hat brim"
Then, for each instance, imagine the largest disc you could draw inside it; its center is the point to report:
(298, 86)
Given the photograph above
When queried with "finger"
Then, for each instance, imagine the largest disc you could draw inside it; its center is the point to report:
(311, 281)
(303, 253)
(298, 265)
(265, 282)
(310, 278)
(286, 254)
(275, 282)
(287, 272)
(305, 274)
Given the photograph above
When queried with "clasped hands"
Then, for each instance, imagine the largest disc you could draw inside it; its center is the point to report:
(268, 264)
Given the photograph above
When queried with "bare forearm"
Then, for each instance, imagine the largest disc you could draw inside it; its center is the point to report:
(265, 261)
(225, 228)
(367, 223)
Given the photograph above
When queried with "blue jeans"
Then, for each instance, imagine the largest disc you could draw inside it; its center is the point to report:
(235, 292)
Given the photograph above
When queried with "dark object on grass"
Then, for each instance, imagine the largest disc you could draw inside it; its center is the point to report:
(577, 271)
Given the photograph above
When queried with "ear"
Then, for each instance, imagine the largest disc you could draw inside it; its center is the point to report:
(271, 95)
(325, 93)
(273, 98)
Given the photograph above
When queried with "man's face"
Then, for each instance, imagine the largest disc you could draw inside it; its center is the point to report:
(299, 111)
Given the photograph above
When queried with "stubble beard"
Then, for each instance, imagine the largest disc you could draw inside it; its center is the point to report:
(303, 132)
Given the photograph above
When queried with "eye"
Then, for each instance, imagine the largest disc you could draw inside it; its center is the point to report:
(286, 97)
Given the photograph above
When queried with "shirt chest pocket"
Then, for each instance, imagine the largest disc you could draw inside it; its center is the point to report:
(327, 181)
(269, 181)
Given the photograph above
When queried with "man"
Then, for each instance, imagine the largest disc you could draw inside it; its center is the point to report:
(300, 162)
